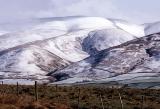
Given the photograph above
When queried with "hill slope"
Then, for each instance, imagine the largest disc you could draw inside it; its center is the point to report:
(135, 61)
(74, 49)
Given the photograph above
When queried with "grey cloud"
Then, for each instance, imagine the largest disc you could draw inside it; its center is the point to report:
(12, 9)
(133, 10)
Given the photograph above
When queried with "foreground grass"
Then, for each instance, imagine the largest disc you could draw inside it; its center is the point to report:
(10, 101)
(72, 97)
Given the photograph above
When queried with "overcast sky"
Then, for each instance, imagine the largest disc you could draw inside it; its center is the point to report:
(138, 11)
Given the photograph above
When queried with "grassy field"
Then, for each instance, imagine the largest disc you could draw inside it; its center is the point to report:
(74, 97)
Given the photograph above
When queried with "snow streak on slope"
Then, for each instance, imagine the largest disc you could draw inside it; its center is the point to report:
(133, 29)
(103, 39)
(69, 46)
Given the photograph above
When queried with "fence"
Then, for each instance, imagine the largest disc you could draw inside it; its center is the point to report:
(85, 96)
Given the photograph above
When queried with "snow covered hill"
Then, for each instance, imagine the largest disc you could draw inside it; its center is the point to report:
(135, 61)
(49, 29)
(152, 28)
(30, 62)
(66, 48)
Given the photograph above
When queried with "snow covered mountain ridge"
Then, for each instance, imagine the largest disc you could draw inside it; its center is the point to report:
(53, 49)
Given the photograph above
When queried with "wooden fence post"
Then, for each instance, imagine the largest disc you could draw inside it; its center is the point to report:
(112, 97)
(142, 102)
(102, 101)
(17, 89)
(36, 91)
(121, 101)
(79, 91)
(56, 87)
(2, 87)
(143, 99)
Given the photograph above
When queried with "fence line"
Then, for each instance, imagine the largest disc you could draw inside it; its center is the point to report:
(102, 100)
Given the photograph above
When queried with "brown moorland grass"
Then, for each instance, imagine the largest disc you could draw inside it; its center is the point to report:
(67, 97)
(11, 101)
